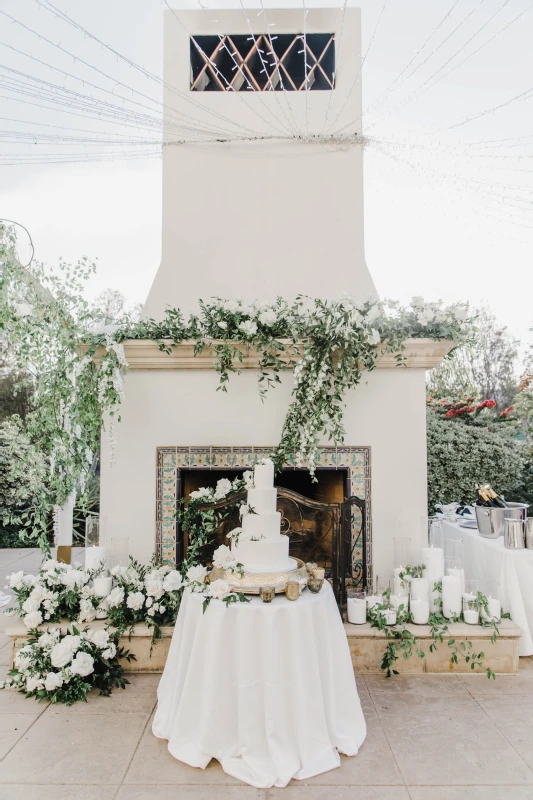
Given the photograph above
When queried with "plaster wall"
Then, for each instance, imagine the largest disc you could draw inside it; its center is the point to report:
(182, 407)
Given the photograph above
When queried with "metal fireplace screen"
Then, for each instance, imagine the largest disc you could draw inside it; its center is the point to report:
(319, 532)
(291, 62)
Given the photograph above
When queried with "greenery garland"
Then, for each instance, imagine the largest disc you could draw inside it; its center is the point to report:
(328, 343)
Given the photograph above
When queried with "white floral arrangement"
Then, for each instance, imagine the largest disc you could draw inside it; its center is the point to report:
(64, 667)
(58, 591)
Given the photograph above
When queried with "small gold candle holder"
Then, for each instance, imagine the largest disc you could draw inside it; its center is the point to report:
(315, 584)
(319, 572)
(267, 593)
(292, 590)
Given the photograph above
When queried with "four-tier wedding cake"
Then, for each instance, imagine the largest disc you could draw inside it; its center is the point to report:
(260, 546)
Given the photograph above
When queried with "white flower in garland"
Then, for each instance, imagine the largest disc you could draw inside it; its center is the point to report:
(154, 586)
(223, 488)
(15, 581)
(109, 652)
(248, 477)
(222, 324)
(201, 494)
(116, 597)
(61, 654)
(223, 558)
(33, 619)
(268, 318)
(219, 589)
(135, 601)
(173, 581)
(374, 337)
(249, 327)
(82, 664)
(98, 637)
(53, 681)
(197, 574)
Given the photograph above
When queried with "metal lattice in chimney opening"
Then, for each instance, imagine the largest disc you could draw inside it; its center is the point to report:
(291, 62)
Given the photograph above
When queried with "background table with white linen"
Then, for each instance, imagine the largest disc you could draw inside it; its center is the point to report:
(488, 560)
(267, 689)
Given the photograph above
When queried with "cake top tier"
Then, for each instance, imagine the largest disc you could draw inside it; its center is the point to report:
(264, 474)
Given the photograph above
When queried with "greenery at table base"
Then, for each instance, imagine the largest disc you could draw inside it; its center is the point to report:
(59, 667)
(402, 642)
(328, 343)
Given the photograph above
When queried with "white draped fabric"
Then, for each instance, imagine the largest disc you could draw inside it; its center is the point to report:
(267, 689)
(488, 560)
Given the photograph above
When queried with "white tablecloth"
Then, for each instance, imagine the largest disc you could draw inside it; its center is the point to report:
(488, 560)
(267, 689)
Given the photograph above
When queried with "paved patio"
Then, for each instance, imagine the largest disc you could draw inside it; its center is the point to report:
(430, 737)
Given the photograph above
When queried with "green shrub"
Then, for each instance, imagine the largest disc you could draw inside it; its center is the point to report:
(461, 456)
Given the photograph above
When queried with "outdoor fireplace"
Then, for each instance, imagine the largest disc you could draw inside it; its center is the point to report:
(328, 521)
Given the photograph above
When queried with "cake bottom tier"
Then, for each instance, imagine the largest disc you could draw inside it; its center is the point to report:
(265, 555)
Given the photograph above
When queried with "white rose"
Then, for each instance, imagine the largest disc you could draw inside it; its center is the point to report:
(244, 509)
(173, 581)
(110, 652)
(154, 587)
(219, 589)
(82, 664)
(249, 327)
(53, 681)
(30, 580)
(223, 557)
(151, 612)
(268, 318)
(72, 641)
(73, 579)
(222, 324)
(374, 337)
(201, 494)
(149, 602)
(98, 637)
(48, 639)
(61, 655)
(197, 573)
(33, 619)
(31, 604)
(32, 684)
(51, 564)
(16, 580)
(162, 609)
(116, 597)
(135, 600)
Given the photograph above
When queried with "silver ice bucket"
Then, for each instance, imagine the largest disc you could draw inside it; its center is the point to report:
(491, 521)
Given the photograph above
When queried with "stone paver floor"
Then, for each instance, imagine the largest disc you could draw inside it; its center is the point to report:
(429, 737)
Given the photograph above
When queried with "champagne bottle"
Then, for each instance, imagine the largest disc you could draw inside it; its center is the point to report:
(483, 497)
(497, 500)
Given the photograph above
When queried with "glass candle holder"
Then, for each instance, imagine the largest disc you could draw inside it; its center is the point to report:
(267, 593)
(471, 612)
(491, 590)
(453, 548)
(402, 551)
(314, 585)
(435, 532)
(292, 590)
(93, 525)
(470, 592)
(356, 607)
(120, 551)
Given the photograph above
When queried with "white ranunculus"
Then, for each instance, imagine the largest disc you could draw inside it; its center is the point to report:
(135, 600)
(82, 664)
(116, 597)
(15, 580)
(22, 661)
(173, 581)
(219, 589)
(154, 587)
(61, 654)
(223, 557)
(249, 327)
(109, 652)
(32, 684)
(73, 579)
(268, 318)
(98, 637)
(223, 488)
(197, 573)
(33, 619)
(53, 681)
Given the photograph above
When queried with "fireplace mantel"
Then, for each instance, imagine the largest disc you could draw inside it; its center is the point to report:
(144, 354)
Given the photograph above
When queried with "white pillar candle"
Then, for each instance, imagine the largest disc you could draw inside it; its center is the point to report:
(451, 596)
(102, 585)
(419, 588)
(458, 573)
(389, 615)
(420, 611)
(433, 560)
(495, 610)
(471, 616)
(95, 557)
(373, 600)
(398, 600)
(400, 587)
(356, 607)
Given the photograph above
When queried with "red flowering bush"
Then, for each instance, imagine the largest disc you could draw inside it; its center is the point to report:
(468, 410)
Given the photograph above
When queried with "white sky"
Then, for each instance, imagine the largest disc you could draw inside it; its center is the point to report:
(438, 222)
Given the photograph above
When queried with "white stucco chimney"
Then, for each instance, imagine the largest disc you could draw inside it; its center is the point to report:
(261, 217)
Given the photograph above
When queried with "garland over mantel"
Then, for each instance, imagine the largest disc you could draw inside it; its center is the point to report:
(328, 344)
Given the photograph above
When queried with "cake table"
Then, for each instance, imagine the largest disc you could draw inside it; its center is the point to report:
(267, 689)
